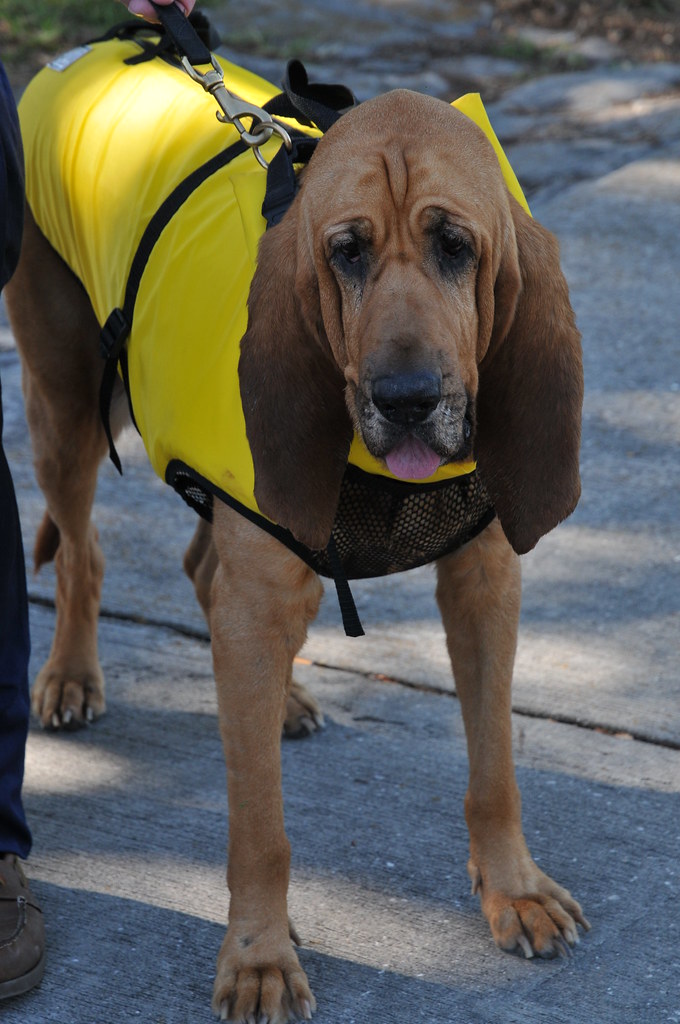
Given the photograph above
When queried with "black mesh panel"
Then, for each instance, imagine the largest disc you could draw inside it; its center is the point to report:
(382, 525)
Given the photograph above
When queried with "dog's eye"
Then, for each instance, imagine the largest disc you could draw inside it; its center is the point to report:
(348, 250)
(453, 246)
(453, 250)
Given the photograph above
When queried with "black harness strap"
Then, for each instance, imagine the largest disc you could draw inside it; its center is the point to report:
(282, 181)
(115, 331)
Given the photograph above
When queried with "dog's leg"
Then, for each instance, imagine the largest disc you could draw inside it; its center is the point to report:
(57, 335)
(263, 598)
(200, 563)
(303, 713)
(479, 591)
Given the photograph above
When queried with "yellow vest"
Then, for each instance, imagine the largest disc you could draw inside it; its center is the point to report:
(105, 143)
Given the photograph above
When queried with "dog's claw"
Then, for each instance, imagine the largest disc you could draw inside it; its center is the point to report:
(584, 922)
(525, 946)
(561, 948)
(306, 1010)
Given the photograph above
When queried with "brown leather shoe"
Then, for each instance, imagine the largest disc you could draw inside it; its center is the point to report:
(22, 931)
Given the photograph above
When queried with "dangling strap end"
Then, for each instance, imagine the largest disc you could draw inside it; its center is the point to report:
(111, 341)
(348, 609)
(105, 396)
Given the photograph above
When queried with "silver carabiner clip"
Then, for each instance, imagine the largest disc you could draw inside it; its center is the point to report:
(233, 109)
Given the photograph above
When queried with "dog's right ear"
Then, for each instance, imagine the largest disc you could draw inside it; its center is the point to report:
(531, 391)
(297, 423)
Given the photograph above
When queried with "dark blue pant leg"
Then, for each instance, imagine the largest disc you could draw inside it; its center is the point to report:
(14, 650)
(14, 640)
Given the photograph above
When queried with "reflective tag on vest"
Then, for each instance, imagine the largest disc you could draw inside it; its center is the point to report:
(65, 60)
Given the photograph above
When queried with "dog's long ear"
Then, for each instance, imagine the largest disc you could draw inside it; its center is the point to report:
(297, 422)
(531, 391)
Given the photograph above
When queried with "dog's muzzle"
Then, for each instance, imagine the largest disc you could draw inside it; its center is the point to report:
(412, 425)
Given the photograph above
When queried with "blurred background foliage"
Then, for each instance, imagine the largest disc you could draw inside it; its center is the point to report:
(29, 28)
(645, 30)
(33, 31)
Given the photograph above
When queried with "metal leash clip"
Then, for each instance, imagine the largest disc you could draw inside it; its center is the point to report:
(234, 109)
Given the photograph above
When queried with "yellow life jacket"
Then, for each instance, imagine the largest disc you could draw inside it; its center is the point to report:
(111, 149)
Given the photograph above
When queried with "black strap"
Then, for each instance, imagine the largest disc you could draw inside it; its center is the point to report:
(282, 181)
(348, 609)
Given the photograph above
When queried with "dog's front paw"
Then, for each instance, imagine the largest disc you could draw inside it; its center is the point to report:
(303, 713)
(531, 914)
(62, 699)
(259, 982)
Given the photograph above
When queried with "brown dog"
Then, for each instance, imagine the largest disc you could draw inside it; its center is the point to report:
(402, 258)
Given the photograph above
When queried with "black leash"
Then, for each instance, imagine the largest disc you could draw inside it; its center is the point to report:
(182, 33)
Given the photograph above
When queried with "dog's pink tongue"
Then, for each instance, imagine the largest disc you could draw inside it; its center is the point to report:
(412, 460)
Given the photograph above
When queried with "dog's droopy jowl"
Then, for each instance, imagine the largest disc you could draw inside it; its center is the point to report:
(406, 314)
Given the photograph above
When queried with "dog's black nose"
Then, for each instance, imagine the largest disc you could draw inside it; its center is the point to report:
(407, 398)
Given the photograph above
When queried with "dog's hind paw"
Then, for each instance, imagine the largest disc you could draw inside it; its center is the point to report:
(303, 713)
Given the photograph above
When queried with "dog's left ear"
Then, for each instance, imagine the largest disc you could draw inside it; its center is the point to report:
(531, 391)
(292, 391)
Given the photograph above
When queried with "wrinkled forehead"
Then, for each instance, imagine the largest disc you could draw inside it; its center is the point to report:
(400, 151)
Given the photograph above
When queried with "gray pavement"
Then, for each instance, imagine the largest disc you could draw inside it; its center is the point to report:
(129, 816)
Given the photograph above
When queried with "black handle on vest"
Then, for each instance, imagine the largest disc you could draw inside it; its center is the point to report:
(311, 103)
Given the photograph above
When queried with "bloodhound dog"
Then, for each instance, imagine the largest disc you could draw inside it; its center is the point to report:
(403, 257)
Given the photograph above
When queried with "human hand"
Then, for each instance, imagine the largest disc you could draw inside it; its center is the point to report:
(144, 9)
